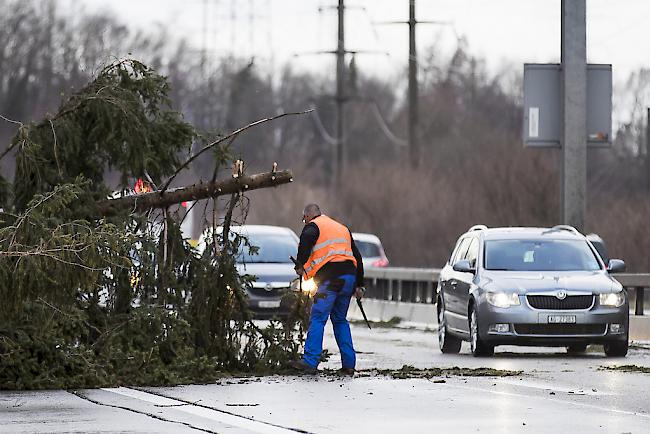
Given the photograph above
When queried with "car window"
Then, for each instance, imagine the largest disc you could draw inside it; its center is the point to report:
(461, 250)
(472, 253)
(367, 249)
(539, 255)
(454, 252)
(270, 248)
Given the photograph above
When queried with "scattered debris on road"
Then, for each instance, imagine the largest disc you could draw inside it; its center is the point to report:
(393, 322)
(627, 368)
(408, 372)
(640, 345)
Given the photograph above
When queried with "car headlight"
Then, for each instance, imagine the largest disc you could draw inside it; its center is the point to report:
(613, 299)
(502, 299)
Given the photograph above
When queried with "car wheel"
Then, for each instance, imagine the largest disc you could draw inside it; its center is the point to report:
(576, 349)
(478, 347)
(616, 348)
(448, 344)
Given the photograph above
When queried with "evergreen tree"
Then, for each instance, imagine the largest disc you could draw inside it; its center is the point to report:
(91, 300)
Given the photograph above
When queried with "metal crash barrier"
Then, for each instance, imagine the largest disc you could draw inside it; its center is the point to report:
(418, 285)
(636, 282)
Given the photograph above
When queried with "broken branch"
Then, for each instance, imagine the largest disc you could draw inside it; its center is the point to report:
(232, 135)
(157, 199)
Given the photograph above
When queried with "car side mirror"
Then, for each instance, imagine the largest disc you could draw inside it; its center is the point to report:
(616, 266)
(463, 266)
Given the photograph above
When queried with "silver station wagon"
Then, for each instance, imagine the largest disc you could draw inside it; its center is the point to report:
(530, 286)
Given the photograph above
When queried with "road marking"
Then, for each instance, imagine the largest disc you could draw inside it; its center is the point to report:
(83, 396)
(552, 388)
(554, 399)
(222, 416)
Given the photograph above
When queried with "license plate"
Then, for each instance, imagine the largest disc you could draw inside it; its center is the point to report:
(269, 304)
(561, 319)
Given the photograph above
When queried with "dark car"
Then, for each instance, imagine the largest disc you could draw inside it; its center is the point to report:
(268, 263)
(530, 286)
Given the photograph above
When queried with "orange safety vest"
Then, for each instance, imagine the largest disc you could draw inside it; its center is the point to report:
(334, 244)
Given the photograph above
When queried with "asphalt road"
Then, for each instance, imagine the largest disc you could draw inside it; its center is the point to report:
(555, 393)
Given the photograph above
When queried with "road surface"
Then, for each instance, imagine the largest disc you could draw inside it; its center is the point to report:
(554, 393)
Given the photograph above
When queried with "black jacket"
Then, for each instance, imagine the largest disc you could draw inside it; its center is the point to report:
(331, 270)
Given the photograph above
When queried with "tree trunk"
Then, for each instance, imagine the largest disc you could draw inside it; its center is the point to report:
(156, 199)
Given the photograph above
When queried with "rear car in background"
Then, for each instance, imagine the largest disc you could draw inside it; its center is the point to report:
(530, 286)
(599, 245)
(269, 263)
(371, 250)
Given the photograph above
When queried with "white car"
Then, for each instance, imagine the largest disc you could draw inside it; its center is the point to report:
(371, 250)
(270, 265)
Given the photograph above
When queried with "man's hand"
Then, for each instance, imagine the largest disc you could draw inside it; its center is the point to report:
(359, 293)
(296, 266)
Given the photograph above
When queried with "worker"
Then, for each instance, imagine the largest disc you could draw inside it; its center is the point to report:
(327, 254)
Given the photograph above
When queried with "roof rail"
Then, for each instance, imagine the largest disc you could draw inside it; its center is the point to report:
(566, 228)
(477, 228)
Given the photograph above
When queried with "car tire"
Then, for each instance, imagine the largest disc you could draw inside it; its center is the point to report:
(576, 349)
(478, 347)
(448, 344)
(616, 348)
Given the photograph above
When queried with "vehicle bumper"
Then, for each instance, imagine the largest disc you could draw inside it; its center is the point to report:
(270, 307)
(528, 326)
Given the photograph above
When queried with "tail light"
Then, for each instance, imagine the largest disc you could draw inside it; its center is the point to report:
(383, 262)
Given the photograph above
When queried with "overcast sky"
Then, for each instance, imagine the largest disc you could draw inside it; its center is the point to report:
(501, 31)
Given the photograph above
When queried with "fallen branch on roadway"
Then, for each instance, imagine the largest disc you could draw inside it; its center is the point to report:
(157, 199)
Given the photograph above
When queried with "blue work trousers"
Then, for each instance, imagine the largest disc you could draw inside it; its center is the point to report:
(331, 300)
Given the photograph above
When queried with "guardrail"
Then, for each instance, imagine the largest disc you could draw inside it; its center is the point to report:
(418, 285)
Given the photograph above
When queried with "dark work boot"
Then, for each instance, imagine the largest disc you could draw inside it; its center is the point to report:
(300, 365)
(346, 371)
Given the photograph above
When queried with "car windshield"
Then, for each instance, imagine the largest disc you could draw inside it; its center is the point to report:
(539, 255)
(367, 250)
(271, 248)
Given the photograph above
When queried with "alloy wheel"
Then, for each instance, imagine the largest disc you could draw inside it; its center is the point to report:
(473, 331)
(479, 347)
(448, 343)
(442, 328)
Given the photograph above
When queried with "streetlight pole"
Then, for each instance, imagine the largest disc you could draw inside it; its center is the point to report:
(574, 103)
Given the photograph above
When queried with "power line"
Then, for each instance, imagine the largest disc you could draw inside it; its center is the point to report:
(341, 95)
(331, 140)
(383, 125)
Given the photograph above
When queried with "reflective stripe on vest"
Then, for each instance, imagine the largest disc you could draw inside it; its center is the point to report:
(334, 244)
(315, 262)
(327, 243)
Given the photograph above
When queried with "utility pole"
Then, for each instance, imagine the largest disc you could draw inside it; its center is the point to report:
(204, 39)
(340, 96)
(414, 146)
(413, 103)
(574, 104)
(647, 150)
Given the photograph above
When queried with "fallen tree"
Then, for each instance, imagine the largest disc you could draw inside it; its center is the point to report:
(98, 291)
